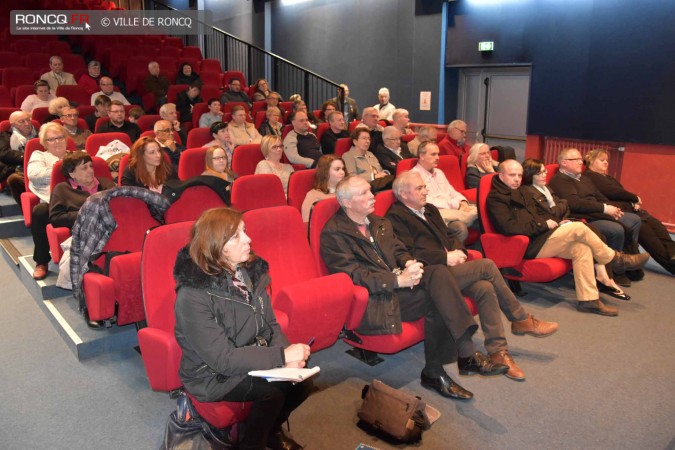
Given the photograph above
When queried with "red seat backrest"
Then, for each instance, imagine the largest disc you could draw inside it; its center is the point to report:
(552, 170)
(383, 201)
(192, 163)
(405, 165)
(7, 111)
(210, 77)
(321, 214)
(197, 137)
(210, 91)
(321, 129)
(227, 107)
(40, 114)
(147, 121)
(299, 184)
(192, 203)
(174, 89)
(211, 65)
(197, 110)
(259, 118)
(228, 75)
(101, 170)
(260, 105)
(133, 221)
(19, 93)
(342, 146)
(192, 52)
(245, 159)
(95, 141)
(275, 234)
(483, 190)
(449, 165)
(5, 99)
(257, 191)
(74, 93)
(16, 76)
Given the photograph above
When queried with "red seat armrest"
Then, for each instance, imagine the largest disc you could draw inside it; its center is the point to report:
(28, 202)
(505, 251)
(99, 295)
(161, 356)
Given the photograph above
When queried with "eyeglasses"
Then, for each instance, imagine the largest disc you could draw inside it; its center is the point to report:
(543, 172)
(277, 146)
(56, 139)
(220, 158)
(116, 111)
(71, 116)
(573, 159)
(460, 130)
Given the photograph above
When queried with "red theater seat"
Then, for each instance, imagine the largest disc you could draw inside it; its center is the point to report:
(257, 191)
(245, 159)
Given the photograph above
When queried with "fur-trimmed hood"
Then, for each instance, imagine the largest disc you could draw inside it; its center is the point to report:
(188, 274)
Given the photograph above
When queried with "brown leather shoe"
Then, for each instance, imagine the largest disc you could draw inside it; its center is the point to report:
(534, 327)
(597, 307)
(40, 272)
(503, 357)
(623, 262)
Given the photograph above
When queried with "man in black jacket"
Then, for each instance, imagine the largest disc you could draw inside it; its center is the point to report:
(335, 131)
(392, 150)
(363, 246)
(421, 228)
(12, 145)
(513, 212)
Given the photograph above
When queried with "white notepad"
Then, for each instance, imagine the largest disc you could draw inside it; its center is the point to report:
(285, 374)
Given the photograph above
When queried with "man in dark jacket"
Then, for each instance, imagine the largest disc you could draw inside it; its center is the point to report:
(512, 212)
(12, 145)
(392, 150)
(421, 228)
(364, 247)
(335, 131)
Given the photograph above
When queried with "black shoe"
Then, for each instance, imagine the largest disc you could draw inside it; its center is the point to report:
(445, 386)
(279, 441)
(480, 364)
(612, 291)
(635, 275)
(93, 324)
(622, 280)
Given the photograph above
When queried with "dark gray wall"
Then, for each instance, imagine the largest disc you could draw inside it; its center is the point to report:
(366, 44)
(239, 18)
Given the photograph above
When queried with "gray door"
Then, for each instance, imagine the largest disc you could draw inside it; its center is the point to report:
(493, 103)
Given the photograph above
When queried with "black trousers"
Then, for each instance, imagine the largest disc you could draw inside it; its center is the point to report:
(272, 404)
(448, 323)
(38, 229)
(654, 237)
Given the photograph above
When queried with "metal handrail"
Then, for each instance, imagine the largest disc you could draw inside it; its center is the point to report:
(235, 54)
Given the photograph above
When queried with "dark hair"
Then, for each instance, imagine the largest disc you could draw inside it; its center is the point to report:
(102, 100)
(358, 131)
(531, 167)
(182, 66)
(71, 160)
(322, 174)
(211, 100)
(216, 127)
(325, 105)
(136, 112)
(209, 234)
(196, 84)
(297, 104)
(39, 83)
(231, 80)
(137, 164)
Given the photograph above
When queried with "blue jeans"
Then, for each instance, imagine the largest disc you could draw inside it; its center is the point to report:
(615, 231)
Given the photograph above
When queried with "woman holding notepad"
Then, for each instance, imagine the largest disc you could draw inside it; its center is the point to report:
(226, 328)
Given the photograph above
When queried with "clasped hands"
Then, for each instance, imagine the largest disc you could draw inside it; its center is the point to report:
(411, 275)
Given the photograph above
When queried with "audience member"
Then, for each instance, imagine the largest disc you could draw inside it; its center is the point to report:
(241, 131)
(400, 119)
(102, 105)
(117, 124)
(234, 93)
(478, 164)
(169, 112)
(217, 164)
(39, 172)
(12, 145)
(90, 80)
(345, 104)
(40, 99)
(106, 85)
(187, 99)
(547, 205)
(262, 90)
(217, 277)
(55, 109)
(214, 115)
(458, 214)
(147, 167)
(69, 116)
(135, 113)
(421, 228)
(454, 142)
(68, 196)
(654, 237)
(402, 289)
(156, 84)
(385, 110)
(426, 133)
(392, 150)
(300, 145)
(272, 125)
(360, 162)
(330, 170)
(302, 106)
(165, 138)
(512, 212)
(327, 107)
(370, 122)
(187, 75)
(56, 77)
(221, 138)
(272, 149)
(586, 202)
(335, 131)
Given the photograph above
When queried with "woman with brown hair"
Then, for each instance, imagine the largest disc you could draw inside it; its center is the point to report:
(216, 164)
(225, 326)
(654, 237)
(147, 166)
(330, 170)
